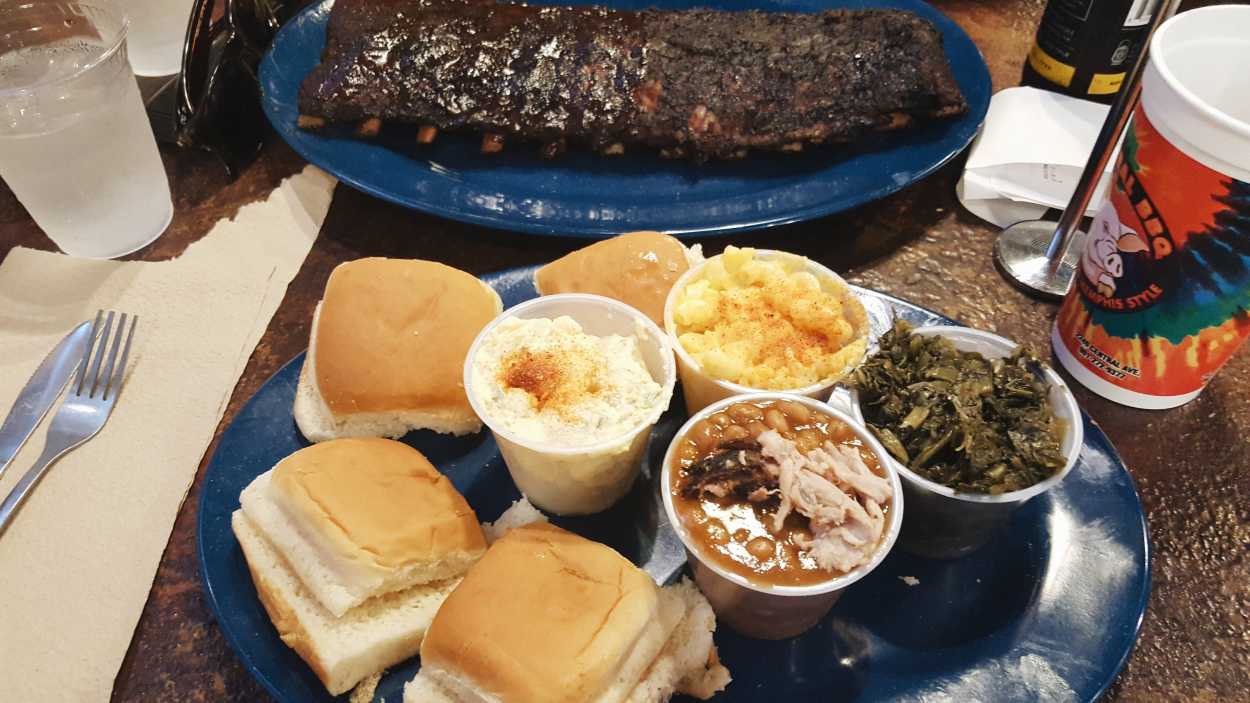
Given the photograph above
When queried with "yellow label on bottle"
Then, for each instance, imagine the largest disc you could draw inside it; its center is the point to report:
(1106, 83)
(1051, 68)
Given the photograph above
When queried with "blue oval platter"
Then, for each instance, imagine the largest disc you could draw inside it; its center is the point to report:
(585, 195)
(1047, 611)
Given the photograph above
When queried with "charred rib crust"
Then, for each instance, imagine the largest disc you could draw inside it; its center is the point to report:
(701, 83)
(736, 470)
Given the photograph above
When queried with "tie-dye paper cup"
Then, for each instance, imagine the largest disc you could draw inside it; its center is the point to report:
(1161, 298)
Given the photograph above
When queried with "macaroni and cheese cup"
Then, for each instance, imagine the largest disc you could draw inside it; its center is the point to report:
(701, 389)
(766, 611)
(943, 523)
(584, 479)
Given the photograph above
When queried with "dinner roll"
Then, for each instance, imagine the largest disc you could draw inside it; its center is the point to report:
(637, 269)
(550, 617)
(341, 651)
(387, 349)
(358, 518)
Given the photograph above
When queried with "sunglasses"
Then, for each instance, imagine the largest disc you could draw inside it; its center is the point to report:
(217, 96)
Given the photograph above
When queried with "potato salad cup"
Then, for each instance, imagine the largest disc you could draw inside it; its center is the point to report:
(766, 566)
(571, 387)
(945, 523)
(804, 324)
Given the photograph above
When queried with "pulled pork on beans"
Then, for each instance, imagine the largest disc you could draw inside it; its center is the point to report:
(830, 485)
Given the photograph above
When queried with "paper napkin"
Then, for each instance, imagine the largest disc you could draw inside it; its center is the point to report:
(77, 563)
(1030, 154)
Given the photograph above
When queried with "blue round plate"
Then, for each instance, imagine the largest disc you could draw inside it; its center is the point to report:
(1048, 610)
(585, 195)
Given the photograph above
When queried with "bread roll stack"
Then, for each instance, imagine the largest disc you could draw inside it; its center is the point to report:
(550, 617)
(353, 545)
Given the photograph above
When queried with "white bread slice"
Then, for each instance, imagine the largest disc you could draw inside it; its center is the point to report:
(668, 615)
(318, 424)
(426, 689)
(415, 527)
(333, 588)
(688, 662)
(519, 514)
(270, 522)
(341, 651)
(363, 692)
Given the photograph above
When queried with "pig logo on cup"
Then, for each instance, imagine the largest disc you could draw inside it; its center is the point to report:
(1162, 295)
(1126, 268)
(1102, 262)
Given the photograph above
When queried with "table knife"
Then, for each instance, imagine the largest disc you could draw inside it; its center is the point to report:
(41, 391)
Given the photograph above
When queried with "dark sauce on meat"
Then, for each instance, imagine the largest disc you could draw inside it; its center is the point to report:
(695, 83)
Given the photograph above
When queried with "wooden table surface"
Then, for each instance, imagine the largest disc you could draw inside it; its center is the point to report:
(1189, 463)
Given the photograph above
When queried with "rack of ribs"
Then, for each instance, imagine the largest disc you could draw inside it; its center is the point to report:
(696, 83)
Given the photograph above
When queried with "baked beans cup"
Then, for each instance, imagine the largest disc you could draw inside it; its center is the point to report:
(701, 389)
(588, 478)
(943, 523)
(767, 611)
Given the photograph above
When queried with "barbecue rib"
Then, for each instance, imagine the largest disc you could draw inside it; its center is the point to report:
(736, 470)
(697, 83)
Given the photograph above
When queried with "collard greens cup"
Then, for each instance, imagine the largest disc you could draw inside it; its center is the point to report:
(943, 523)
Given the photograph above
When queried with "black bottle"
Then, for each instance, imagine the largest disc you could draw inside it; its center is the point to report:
(1084, 47)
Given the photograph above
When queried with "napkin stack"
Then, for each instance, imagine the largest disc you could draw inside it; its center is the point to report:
(1030, 154)
(77, 563)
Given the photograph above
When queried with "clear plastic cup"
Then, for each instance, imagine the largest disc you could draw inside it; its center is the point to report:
(588, 478)
(701, 389)
(943, 523)
(158, 29)
(76, 146)
(765, 611)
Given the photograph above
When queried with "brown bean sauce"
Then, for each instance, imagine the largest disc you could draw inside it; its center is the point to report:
(737, 535)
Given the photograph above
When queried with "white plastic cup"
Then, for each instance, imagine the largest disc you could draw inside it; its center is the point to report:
(943, 523)
(701, 389)
(1155, 307)
(158, 29)
(765, 611)
(588, 478)
(76, 145)
(1196, 88)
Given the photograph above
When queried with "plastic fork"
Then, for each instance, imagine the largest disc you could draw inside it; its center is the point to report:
(87, 405)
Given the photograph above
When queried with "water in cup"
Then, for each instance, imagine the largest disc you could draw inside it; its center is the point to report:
(157, 31)
(76, 146)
